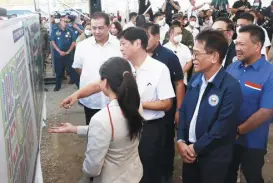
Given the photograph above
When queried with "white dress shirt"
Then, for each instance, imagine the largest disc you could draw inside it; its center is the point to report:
(89, 56)
(266, 43)
(183, 53)
(192, 135)
(163, 30)
(154, 83)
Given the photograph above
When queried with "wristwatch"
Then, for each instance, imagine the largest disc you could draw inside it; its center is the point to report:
(177, 109)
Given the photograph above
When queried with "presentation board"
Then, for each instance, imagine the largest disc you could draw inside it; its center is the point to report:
(20, 112)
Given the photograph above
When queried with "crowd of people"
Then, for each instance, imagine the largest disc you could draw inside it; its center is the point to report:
(203, 73)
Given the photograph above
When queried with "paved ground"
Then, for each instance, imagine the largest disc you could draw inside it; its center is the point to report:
(62, 154)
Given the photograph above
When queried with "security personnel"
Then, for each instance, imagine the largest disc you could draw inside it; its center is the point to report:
(166, 56)
(209, 113)
(255, 75)
(63, 42)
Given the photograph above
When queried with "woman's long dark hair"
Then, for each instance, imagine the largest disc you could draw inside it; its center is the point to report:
(119, 77)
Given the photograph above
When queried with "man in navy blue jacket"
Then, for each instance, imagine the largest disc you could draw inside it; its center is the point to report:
(209, 113)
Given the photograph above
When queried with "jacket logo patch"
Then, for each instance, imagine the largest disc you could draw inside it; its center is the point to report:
(213, 100)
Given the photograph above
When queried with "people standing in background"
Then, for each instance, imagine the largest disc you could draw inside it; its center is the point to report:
(86, 34)
(240, 7)
(167, 57)
(226, 26)
(192, 26)
(207, 23)
(170, 7)
(132, 21)
(140, 21)
(3, 14)
(115, 28)
(187, 38)
(220, 5)
(160, 19)
(90, 55)
(114, 132)
(255, 75)
(63, 42)
(193, 11)
(209, 113)
(182, 51)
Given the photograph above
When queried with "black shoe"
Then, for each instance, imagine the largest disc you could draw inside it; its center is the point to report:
(56, 89)
(71, 82)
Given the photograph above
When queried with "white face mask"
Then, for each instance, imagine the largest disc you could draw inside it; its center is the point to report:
(57, 20)
(256, 4)
(177, 38)
(192, 23)
(237, 29)
(207, 22)
(87, 32)
(161, 22)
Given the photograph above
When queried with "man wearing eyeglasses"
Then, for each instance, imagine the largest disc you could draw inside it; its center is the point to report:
(226, 26)
(209, 113)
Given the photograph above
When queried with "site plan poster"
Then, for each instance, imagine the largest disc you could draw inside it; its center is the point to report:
(18, 129)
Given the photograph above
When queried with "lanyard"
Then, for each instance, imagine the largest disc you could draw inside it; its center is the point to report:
(111, 122)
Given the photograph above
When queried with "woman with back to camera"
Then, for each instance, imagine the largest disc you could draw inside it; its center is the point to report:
(113, 132)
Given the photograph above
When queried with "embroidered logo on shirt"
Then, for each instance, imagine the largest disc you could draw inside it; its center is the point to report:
(253, 85)
(213, 100)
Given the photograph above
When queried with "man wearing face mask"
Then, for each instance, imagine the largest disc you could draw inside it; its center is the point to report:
(248, 19)
(191, 27)
(63, 41)
(57, 20)
(86, 34)
(182, 51)
(187, 38)
(166, 56)
(159, 19)
(226, 26)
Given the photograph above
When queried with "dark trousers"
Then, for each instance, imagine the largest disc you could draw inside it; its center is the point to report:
(205, 170)
(168, 150)
(89, 113)
(151, 150)
(251, 161)
(60, 63)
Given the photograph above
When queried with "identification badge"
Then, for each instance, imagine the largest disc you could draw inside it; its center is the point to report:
(58, 33)
(213, 100)
(76, 32)
(58, 38)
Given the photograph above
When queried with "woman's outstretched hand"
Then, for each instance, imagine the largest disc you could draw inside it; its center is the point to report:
(64, 128)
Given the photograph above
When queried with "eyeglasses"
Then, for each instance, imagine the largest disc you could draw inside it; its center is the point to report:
(196, 54)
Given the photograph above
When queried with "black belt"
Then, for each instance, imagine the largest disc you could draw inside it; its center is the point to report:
(152, 121)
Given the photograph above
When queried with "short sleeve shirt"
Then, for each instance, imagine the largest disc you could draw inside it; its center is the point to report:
(256, 82)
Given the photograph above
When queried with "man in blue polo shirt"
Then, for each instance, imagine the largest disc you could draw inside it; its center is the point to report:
(255, 75)
(166, 56)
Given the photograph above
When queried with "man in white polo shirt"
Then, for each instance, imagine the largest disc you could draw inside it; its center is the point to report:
(90, 55)
(156, 93)
(182, 51)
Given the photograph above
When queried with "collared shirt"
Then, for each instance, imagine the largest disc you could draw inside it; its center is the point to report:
(62, 38)
(154, 83)
(266, 43)
(76, 32)
(192, 135)
(256, 82)
(89, 56)
(183, 53)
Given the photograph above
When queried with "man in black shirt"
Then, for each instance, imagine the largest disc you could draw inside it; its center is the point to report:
(170, 7)
(239, 7)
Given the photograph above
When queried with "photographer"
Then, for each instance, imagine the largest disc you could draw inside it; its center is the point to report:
(170, 7)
